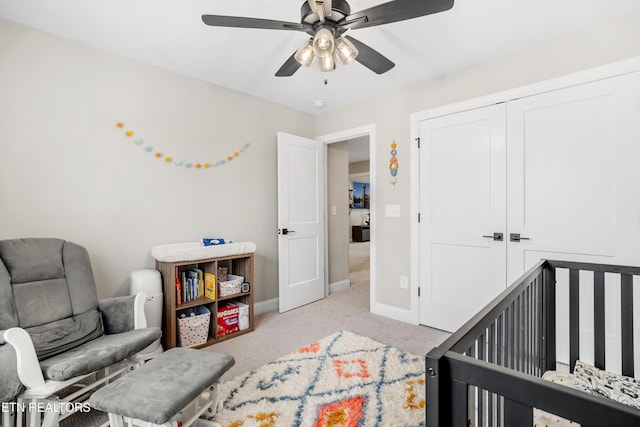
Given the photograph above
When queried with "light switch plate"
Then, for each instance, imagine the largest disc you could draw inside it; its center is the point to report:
(404, 282)
(392, 210)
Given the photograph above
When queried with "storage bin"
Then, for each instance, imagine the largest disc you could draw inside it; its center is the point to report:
(193, 327)
(232, 285)
(243, 315)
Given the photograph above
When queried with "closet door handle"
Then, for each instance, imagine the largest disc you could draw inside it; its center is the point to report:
(515, 237)
(498, 237)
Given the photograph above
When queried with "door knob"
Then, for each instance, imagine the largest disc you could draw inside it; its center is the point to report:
(515, 237)
(498, 237)
(287, 231)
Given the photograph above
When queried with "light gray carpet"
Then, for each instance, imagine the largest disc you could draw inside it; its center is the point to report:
(277, 334)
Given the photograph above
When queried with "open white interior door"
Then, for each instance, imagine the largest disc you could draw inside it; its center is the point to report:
(300, 221)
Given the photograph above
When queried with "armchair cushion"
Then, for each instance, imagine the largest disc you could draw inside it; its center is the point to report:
(10, 385)
(117, 314)
(57, 337)
(53, 293)
(31, 260)
(98, 353)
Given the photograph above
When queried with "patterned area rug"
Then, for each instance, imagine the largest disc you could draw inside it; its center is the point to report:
(343, 380)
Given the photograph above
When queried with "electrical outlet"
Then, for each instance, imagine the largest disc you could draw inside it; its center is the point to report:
(334, 210)
(404, 282)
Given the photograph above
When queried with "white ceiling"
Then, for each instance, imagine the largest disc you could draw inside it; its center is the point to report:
(358, 149)
(171, 35)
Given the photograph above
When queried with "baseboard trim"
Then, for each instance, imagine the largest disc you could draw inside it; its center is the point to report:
(265, 306)
(395, 313)
(272, 304)
(341, 286)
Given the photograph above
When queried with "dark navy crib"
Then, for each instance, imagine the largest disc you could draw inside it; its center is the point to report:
(488, 373)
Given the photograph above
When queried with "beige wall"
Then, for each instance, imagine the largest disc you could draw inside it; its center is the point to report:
(338, 224)
(602, 44)
(67, 170)
(359, 167)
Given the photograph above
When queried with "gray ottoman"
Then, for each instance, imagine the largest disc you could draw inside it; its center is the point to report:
(177, 384)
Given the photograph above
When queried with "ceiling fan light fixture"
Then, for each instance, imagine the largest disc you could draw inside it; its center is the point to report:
(305, 55)
(327, 63)
(323, 43)
(345, 50)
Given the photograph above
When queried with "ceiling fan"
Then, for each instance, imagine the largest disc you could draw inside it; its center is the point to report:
(326, 21)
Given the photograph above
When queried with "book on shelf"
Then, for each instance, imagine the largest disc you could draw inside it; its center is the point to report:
(192, 285)
(198, 281)
(189, 284)
(210, 285)
(178, 289)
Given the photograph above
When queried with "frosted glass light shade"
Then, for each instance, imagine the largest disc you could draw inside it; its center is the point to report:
(323, 43)
(327, 63)
(305, 55)
(345, 50)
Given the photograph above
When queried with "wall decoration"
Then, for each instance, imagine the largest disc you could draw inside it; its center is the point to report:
(171, 159)
(361, 195)
(393, 165)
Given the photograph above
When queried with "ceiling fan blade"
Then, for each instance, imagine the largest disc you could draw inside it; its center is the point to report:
(394, 11)
(371, 58)
(265, 24)
(289, 67)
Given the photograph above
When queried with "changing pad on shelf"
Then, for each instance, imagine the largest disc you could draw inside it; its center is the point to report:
(194, 251)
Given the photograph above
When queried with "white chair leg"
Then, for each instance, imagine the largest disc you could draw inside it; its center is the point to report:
(33, 415)
(115, 420)
(19, 414)
(9, 418)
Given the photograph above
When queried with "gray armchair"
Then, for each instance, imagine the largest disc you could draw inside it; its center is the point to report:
(53, 330)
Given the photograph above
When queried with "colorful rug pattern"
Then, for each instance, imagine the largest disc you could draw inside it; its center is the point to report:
(343, 380)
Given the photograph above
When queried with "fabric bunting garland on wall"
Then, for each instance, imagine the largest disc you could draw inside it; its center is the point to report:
(186, 164)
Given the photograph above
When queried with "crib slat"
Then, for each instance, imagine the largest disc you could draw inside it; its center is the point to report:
(626, 310)
(527, 335)
(491, 359)
(510, 337)
(499, 341)
(539, 325)
(459, 402)
(530, 323)
(574, 317)
(598, 319)
(549, 323)
(480, 397)
(520, 334)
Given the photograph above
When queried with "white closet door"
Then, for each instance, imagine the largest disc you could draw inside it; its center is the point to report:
(462, 198)
(573, 174)
(573, 186)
